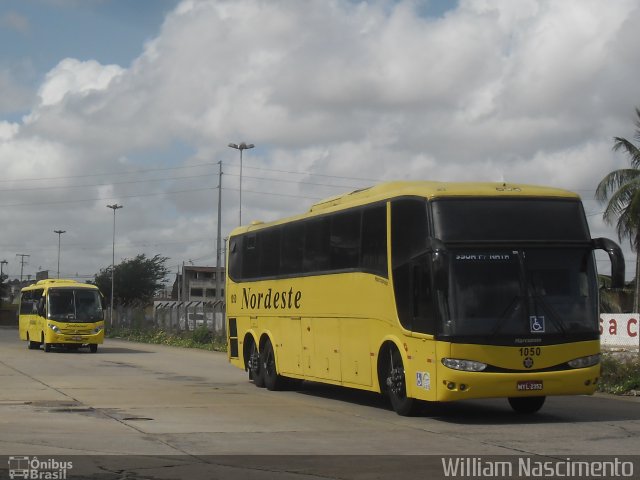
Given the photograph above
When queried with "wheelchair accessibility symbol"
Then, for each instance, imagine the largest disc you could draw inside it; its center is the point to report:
(536, 324)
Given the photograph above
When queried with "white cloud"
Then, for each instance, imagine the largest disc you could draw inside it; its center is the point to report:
(528, 92)
(73, 77)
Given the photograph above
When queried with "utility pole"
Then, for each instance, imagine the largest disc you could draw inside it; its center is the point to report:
(219, 240)
(22, 262)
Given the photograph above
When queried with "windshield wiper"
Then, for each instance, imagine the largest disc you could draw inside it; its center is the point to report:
(506, 314)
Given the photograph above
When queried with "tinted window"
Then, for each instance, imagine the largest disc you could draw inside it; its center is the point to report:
(411, 275)
(374, 240)
(316, 245)
(292, 248)
(345, 241)
(250, 258)
(509, 219)
(408, 229)
(269, 247)
(355, 239)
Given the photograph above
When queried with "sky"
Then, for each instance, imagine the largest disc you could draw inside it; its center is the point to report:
(135, 103)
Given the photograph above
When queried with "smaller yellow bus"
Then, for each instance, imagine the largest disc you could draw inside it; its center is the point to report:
(61, 313)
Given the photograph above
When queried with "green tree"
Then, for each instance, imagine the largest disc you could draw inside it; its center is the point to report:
(136, 280)
(620, 189)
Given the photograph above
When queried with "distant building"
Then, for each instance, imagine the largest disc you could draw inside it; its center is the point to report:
(198, 284)
(43, 275)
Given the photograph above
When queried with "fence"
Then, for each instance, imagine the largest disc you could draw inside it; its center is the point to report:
(174, 317)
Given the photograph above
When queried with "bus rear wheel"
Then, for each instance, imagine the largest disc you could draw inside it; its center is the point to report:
(396, 387)
(272, 380)
(255, 372)
(526, 405)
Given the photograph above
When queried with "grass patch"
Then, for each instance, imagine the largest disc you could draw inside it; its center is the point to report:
(199, 338)
(619, 375)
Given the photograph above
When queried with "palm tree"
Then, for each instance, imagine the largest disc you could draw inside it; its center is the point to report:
(621, 189)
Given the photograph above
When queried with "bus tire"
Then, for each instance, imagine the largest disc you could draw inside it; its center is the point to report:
(46, 347)
(526, 405)
(395, 385)
(254, 363)
(272, 380)
(93, 347)
(32, 345)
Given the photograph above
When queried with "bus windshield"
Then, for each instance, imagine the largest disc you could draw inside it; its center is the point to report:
(522, 293)
(74, 305)
(540, 286)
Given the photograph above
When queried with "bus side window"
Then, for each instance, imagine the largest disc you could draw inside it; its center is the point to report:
(344, 241)
(411, 270)
(292, 248)
(316, 245)
(250, 259)
(374, 240)
(26, 305)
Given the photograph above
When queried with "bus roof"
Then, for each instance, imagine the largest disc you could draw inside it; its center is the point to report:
(429, 190)
(58, 282)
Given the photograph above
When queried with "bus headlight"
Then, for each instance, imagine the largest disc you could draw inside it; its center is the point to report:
(97, 330)
(54, 327)
(464, 365)
(584, 362)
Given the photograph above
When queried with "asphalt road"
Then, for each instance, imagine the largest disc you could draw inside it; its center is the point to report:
(192, 407)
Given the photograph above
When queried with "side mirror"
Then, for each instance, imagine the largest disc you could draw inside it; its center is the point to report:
(616, 258)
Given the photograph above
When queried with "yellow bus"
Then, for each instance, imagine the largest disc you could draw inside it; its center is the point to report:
(61, 313)
(423, 291)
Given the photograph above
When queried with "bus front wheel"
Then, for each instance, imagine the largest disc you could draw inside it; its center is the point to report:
(272, 380)
(526, 405)
(31, 345)
(93, 347)
(396, 388)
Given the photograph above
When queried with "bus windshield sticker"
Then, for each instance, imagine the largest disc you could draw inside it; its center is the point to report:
(536, 322)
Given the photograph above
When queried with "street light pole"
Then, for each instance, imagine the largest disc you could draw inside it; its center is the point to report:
(59, 232)
(241, 147)
(113, 207)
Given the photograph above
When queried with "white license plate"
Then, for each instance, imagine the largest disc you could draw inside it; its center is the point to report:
(529, 385)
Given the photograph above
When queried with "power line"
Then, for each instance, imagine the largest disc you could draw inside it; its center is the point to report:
(124, 172)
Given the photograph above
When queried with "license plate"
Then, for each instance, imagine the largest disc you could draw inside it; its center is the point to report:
(77, 339)
(529, 385)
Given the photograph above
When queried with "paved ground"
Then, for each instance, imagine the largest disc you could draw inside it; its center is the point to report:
(190, 405)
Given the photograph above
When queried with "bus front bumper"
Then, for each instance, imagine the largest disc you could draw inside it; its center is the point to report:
(459, 385)
(73, 339)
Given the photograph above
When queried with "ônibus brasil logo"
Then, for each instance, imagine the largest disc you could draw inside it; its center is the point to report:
(36, 469)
